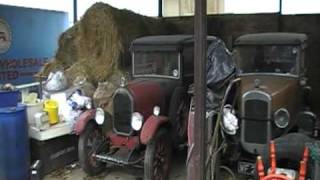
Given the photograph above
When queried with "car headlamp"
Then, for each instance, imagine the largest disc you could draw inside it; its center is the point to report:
(281, 118)
(229, 120)
(99, 116)
(156, 110)
(136, 121)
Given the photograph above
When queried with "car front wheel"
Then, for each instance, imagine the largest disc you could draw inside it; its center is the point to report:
(158, 157)
(89, 142)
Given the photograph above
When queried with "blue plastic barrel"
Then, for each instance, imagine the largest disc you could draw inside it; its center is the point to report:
(14, 144)
(9, 98)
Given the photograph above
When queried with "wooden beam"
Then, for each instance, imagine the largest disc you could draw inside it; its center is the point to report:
(196, 166)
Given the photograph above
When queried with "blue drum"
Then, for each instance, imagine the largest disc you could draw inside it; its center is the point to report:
(14, 144)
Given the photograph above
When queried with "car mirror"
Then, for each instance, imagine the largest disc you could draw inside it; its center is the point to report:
(306, 91)
(303, 82)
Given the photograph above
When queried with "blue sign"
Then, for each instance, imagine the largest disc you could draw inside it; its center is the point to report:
(28, 39)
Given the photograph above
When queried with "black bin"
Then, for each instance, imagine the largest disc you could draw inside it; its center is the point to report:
(55, 153)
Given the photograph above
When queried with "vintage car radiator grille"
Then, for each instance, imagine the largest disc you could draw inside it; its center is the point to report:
(256, 109)
(122, 105)
(256, 119)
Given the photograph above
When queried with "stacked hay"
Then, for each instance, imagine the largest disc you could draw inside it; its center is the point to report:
(98, 45)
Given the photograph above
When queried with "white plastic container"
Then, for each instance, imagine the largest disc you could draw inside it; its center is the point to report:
(32, 109)
(41, 120)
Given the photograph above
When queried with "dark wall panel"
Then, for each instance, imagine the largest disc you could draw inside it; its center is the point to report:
(230, 26)
(309, 24)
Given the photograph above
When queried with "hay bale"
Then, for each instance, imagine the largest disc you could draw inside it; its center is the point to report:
(103, 95)
(51, 66)
(87, 88)
(98, 45)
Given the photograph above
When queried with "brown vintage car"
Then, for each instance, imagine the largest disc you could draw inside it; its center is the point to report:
(268, 100)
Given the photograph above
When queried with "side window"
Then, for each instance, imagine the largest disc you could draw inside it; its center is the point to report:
(302, 60)
(188, 56)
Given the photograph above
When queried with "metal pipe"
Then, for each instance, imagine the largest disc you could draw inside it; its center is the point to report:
(118, 161)
(280, 7)
(280, 16)
(75, 11)
(160, 8)
(196, 166)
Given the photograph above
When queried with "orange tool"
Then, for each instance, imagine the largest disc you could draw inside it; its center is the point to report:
(272, 174)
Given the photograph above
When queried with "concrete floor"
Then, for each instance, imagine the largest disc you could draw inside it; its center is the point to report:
(74, 172)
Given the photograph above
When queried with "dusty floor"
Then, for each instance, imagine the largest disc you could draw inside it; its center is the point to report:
(74, 172)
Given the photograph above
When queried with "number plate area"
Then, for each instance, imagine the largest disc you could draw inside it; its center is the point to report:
(246, 168)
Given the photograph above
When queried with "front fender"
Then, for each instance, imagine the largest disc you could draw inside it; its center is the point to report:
(83, 120)
(150, 128)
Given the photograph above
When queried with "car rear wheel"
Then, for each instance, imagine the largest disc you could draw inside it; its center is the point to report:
(179, 107)
(158, 157)
(89, 142)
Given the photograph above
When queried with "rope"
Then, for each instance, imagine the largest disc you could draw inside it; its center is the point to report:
(214, 145)
(214, 149)
(229, 171)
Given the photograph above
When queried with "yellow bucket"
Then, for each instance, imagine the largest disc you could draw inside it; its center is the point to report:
(51, 107)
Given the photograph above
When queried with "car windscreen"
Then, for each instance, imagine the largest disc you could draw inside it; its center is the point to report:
(156, 63)
(266, 59)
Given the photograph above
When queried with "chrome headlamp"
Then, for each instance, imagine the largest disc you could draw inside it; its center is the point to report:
(136, 121)
(229, 120)
(281, 118)
(100, 116)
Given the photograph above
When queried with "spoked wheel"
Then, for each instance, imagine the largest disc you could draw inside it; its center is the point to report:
(91, 141)
(178, 115)
(181, 124)
(158, 157)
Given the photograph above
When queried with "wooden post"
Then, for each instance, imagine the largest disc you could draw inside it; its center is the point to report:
(196, 165)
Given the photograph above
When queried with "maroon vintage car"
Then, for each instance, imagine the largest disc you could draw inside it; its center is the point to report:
(149, 112)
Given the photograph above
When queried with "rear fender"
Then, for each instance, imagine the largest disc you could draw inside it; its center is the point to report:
(150, 128)
(83, 120)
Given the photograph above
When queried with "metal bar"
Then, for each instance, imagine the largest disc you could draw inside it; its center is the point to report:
(280, 16)
(160, 8)
(75, 11)
(196, 167)
(316, 170)
(280, 7)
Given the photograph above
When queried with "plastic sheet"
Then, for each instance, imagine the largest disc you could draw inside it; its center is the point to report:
(56, 82)
(220, 65)
(79, 102)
